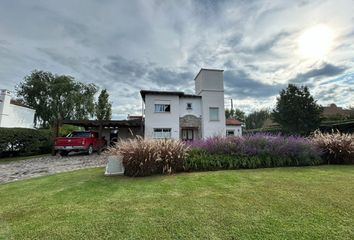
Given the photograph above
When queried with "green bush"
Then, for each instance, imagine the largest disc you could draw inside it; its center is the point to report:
(24, 142)
(201, 160)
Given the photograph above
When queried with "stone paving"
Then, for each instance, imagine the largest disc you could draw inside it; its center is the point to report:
(47, 165)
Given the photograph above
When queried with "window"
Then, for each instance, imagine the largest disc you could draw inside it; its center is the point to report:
(162, 132)
(230, 133)
(189, 106)
(214, 114)
(162, 108)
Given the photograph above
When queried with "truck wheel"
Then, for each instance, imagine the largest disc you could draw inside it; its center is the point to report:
(64, 153)
(90, 150)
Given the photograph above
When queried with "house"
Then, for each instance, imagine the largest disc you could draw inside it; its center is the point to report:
(177, 115)
(334, 112)
(233, 127)
(14, 114)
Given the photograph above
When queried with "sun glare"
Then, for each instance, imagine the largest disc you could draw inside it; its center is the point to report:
(315, 42)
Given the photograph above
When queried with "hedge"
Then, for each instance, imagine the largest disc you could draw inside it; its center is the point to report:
(200, 160)
(24, 141)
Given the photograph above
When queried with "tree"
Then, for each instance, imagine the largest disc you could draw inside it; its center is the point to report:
(103, 106)
(297, 111)
(56, 97)
(256, 119)
(235, 113)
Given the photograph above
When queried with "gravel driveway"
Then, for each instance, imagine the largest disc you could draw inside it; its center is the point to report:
(47, 165)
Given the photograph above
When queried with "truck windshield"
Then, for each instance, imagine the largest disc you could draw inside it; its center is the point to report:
(80, 134)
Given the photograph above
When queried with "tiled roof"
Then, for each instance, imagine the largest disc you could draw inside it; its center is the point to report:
(234, 122)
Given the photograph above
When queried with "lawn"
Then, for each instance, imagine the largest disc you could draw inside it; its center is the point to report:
(279, 203)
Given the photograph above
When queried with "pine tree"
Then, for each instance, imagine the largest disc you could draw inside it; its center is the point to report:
(103, 106)
(297, 111)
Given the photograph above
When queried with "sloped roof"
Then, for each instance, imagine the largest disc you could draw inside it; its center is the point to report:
(233, 122)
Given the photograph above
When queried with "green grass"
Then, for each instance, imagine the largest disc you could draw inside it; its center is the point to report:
(20, 158)
(279, 203)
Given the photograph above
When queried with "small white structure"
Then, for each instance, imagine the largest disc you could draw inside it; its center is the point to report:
(14, 115)
(114, 166)
(233, 127)
(170, 114)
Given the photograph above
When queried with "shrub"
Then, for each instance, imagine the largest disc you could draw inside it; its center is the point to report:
(144, 157)
(252, 151)
(24, 142)
(337, 147)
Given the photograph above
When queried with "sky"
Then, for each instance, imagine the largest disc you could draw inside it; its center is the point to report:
(126, 46)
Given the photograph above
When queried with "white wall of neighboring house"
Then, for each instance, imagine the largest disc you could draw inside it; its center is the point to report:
(236, 129)
(12, 115)
(161, 120)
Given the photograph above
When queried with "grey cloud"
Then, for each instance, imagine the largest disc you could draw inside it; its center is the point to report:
(266, 45)
(325, 70)
(240, 85)
(120, 66)
(168, 77)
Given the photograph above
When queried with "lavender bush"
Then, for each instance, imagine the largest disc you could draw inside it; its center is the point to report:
(251, 151)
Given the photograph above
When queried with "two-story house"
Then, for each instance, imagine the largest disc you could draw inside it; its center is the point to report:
(170, 114)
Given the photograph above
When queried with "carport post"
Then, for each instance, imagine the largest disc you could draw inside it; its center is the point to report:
(100, 136)
(55, 134)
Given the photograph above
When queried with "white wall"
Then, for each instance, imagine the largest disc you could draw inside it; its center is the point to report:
(237, 129)
(196, 106)
(14, 116)
(161, 120)
(210, 85)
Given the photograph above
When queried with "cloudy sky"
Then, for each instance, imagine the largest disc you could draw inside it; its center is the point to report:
(126, 46)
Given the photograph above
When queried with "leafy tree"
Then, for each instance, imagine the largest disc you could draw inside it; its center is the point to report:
(103, 106)
(297, 111)
(56, 97)
(256, 119)
(235, 113)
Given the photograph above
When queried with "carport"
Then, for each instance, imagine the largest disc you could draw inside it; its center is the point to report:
(112, 130)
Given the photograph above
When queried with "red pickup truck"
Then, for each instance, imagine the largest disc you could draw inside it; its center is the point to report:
(87, 141)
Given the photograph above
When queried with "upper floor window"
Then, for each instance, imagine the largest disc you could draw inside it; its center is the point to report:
(162, 108)
(214, 114)
(189, 106)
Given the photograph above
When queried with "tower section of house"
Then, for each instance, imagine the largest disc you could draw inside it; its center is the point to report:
(209, 84)
(13, 114)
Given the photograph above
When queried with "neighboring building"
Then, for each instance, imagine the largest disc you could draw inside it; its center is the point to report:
(233, 127)
(170, 114)
(334, 112)
(13, 114)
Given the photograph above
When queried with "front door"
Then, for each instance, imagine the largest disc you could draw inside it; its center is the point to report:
(187, 134)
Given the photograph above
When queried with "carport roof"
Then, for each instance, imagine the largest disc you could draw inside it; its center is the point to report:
(104, 123)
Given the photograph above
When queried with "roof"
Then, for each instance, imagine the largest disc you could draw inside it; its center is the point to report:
(233, 122)
(19, 103)
(168, 93)
(104, 123)
(208, 69)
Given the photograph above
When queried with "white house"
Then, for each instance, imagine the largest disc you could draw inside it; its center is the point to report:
(170, 114)
(13, 114)
(233, 127)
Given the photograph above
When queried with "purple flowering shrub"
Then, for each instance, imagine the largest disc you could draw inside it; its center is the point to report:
(251, 151)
